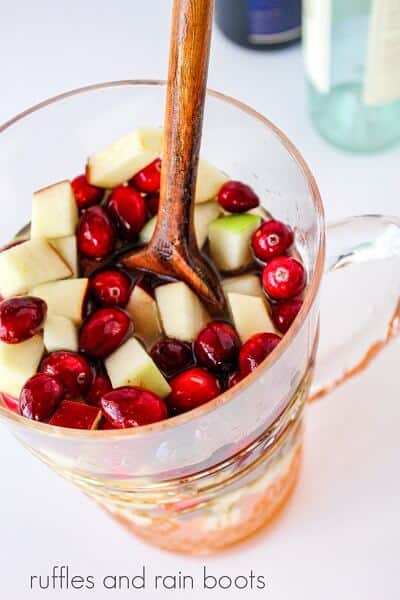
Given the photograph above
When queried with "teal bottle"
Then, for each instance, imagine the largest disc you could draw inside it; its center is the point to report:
(352, 61)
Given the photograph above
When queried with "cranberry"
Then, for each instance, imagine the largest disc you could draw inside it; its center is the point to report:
(72, 370)
(21, 318)
(10, 402)
(104, 331)
(192, 388)
(217, 346)
(283, 278)
(40, 396)
(128, 210)
(284, 313)
(234, 379)
(255, 350)
(105, 425)
(172, 356)
(236, 197)
(101, 385)
(149, 178)
(96, 234)
(272, 239)
(111, 288)
(153, 202)
(86, 194)
(132, 407)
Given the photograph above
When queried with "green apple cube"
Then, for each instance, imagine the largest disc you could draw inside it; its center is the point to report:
(143, 311)
(230, 241)
(209, 182)
(54, 212)
(260, 211)
(18, 362)
(248, 284)
(60, 333)
(182, 313)
(250, 315)
(130, 365)
(65, 298)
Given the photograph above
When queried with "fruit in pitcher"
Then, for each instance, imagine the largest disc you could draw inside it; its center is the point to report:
(72, 369)
(128, 211)
(204, 214)
(67, 248)
(148, 179)
(191, 389)
(217, 346)
(272, 239)
(21, 318)
(10, 402)
(64, 298)
(119, 161)
(172, 356)
(250, 315)
(142, 309)
(111, 288)
(131, 365)
(283, 278)
(29, 264)
(86, 195)
(182, 314)
(284, 313)
(256, 350)
(104, 331)
(18, 362)
(209, 182)
(100, 386)
(132, 407)
(153, 203)
(60, 333)
(76, 415)
(40, 396)
(237, 197)
(248, 284)
(96, 235)
(54, 212)
(229, 239)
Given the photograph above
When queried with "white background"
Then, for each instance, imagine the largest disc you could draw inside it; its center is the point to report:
(340, 535)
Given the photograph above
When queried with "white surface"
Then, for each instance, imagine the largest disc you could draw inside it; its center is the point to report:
(339, 536)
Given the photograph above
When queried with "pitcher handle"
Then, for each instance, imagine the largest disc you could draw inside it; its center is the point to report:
(360, 316)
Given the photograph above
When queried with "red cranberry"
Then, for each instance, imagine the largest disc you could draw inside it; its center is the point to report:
(283, 278)
(21, 318)
(111, 288)
(255, 350)
(153, 202)
(172, 356)
(96, 234)
(128, 209)
(132, 407)
(149, 178)
(101, 385)
(272, 239)
(86, 194)
(234, 379)
(72, 370)
(192, 388)
(104, 331)
(105, 425)
(40, 396)
(10, 402)
(284, 313)
(217, 346)
(236, 197)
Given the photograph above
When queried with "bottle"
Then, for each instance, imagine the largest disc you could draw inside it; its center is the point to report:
(352, 59)
(260, 24)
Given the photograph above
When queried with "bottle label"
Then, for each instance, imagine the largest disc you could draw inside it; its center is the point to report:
(317, 27)
(382, 78)
(274, 21)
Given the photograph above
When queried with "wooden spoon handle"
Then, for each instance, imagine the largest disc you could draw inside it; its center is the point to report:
(187, 79)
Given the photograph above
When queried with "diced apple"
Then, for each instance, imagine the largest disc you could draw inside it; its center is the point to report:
(67, 248)
(60, 333)
(146, 233)
(18, 362)
(54, 212)
(29, 264)
(260, 211)
(248, 284)
(131, 365)
(142, 309)
(64, 298)
(121, 160)
(182, 314)
(230, 240)
(76, 415)
(250, 315)
(209, 181)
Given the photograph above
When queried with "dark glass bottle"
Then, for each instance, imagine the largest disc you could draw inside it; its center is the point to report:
(260, 24)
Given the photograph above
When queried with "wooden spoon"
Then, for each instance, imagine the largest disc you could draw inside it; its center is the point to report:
(173, 249)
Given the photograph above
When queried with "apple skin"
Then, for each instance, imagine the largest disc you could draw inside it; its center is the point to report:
(10, 402)
(76, 415)
(230, 238)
